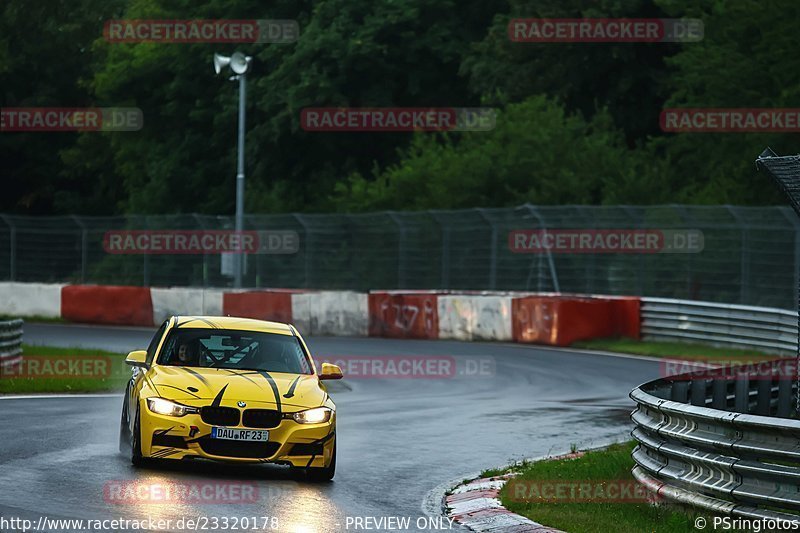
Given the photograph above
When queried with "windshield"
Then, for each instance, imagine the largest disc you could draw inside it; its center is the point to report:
(232, 349)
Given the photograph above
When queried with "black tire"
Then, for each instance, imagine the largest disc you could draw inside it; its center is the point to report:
(124, 432)
(324, 473)
(136, 444)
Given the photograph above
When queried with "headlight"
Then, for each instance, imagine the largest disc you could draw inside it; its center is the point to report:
(313, 416)
(165, 407)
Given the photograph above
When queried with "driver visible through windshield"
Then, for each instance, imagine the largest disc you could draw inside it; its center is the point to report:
(239, 350)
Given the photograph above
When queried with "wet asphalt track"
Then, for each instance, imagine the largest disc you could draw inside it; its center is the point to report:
(398, 439)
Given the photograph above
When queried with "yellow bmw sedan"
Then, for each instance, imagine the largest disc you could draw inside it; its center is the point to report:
(230, 389)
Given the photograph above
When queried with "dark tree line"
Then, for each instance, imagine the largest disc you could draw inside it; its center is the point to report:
(576, 122)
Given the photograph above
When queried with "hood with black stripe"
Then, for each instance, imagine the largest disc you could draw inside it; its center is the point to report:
(194, 383)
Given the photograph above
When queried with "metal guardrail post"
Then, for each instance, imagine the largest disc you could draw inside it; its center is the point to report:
(401, 249)
(637, 224)
(306, 249)
(201, 225)
(741, 400)
(445, 255)
(763, 397)
(12, 245)
(744, 264)
(719, 394)
(680, 392)
(698, 393)
(84, 246)
(784, 398)
(493, 245)
(551, 264)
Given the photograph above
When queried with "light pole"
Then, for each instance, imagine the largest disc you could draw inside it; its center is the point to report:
(239, 64)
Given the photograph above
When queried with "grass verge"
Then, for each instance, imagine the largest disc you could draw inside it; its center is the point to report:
(613, 463)
(58, 370)
(678, 350)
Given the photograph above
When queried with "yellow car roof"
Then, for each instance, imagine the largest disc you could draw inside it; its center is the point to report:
(232, 322)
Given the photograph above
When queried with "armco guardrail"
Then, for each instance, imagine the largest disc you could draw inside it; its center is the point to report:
(740, 326)
(700, 443)
(10, 342)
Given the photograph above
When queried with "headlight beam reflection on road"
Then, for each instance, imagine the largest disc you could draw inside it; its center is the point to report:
(308, 510)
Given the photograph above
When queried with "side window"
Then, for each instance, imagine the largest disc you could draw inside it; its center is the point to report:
(151, 350)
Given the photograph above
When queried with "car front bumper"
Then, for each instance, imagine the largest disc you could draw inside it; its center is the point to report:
(189, 437)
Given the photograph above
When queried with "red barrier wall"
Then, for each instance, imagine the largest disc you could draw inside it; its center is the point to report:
(263, 305)
(107, 304)
(627, 316)
(560, 321)
(410, 315)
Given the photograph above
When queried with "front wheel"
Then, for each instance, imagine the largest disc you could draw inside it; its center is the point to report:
(124, 428)
(324, 473)
(136, 443)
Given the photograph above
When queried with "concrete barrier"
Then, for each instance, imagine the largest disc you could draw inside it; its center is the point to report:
(474, 317)
(31, 299)
(107, 304)
(185, 301)
(342, 313)
(456, 317)
(301, 313)
(533, 319)
(493, 322)
(554, 319)
(562, 320)
(404, 315)
(263, 305)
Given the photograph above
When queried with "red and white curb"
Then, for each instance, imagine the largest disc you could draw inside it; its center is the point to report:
(476, 506)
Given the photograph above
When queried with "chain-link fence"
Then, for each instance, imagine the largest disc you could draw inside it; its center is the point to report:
(751, 255)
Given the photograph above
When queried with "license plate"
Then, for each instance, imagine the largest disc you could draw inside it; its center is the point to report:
(251, 435)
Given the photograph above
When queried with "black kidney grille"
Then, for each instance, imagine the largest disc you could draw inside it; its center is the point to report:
(261, 418)
(220, 416)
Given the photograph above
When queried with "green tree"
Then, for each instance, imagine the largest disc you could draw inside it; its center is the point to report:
(350, 53)
(537, 153)
(748, 59)
(45, 49)
(624, 78)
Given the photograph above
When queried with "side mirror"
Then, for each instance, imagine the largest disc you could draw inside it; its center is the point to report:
(137, 358)
(330, 371)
